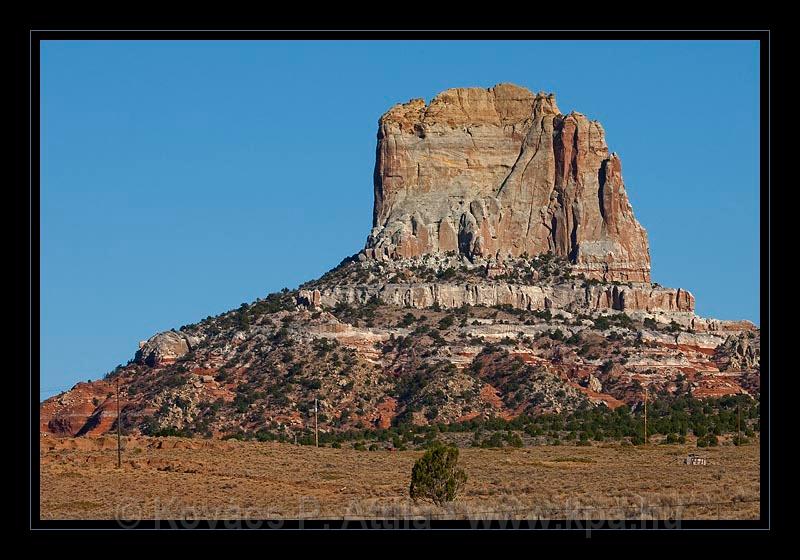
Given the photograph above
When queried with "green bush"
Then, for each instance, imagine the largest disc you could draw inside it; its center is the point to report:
(557, 334)
(602, 323)
(407, 320)
(436, 477)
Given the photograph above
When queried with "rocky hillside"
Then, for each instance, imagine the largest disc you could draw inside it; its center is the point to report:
(505, 278)
(374, 365)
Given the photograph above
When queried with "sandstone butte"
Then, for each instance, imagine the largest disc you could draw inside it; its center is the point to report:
(498, 174)
(502, 172)
(485, 200)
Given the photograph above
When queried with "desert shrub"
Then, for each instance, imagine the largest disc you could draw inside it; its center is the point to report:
(446, 274)
(495, 440)
(264, 435)
(602, 323)
(281, 334)
(545, 314)
(407, 320)
(311, 384)
(674, 327)
(169, 431)
(700, 429)
(573, 339)
(514, 440)
(241, 403)
(557, 334)
(324, 345)
(436, 477)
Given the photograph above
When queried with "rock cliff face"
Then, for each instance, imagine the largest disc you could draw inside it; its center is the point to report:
(502, 172)
(567, 297)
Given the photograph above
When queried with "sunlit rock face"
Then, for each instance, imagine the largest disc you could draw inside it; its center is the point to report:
(501, 172)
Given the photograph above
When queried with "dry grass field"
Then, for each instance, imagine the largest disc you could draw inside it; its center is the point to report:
(172, 478)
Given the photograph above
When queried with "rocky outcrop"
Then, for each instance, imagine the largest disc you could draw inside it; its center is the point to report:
(702, 324)
(502, 172)
(639, 297)
(574, 297)
(593, 384)
(739, 352)
(309, 298)
(164, 348)
(78, 410)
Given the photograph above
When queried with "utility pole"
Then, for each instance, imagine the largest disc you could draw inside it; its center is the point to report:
(739, 423)
(119, 437)
(316, 426)
(645, 415)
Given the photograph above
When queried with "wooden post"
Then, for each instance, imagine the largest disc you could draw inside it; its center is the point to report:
(119, 437)
(738, 423)
(645, 415)
(316, 426)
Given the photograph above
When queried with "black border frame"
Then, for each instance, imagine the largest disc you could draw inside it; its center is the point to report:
(28, 71)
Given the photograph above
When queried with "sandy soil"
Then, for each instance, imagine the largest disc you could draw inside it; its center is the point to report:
(173, 478)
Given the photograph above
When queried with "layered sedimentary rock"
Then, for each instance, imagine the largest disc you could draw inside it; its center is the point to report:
(78, 411)
(568, 297)
(664, 305)
(501, 172)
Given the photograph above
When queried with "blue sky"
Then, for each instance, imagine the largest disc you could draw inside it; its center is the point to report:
(181, 179)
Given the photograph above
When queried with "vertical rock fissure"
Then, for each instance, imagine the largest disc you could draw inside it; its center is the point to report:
(535, 196)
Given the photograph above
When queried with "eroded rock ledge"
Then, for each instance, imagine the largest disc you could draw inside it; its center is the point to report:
(663, 305)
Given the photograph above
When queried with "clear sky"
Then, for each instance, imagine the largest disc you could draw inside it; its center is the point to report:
(181, 179)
